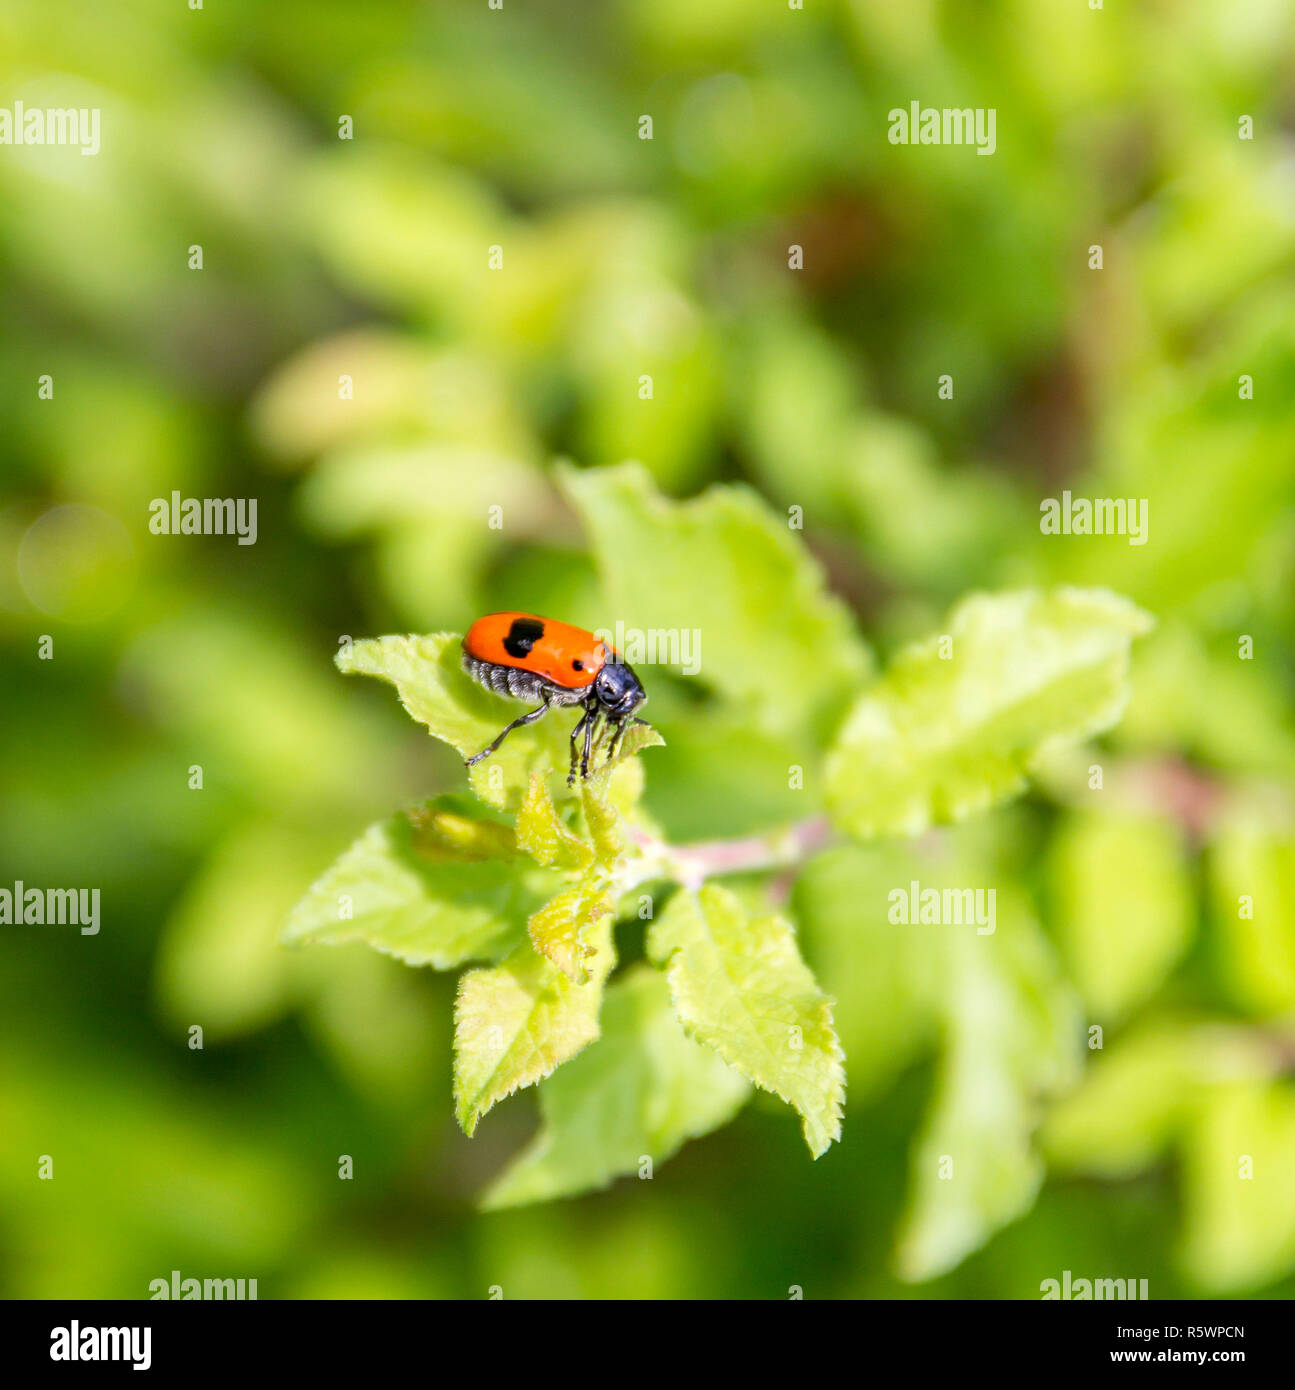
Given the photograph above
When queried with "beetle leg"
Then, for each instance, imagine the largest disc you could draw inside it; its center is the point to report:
(614, 747)
(529, 718)
(606, 738)
(575, 733)
(588, 748)
(621, 730)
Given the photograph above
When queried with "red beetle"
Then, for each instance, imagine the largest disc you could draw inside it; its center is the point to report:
(533, 658)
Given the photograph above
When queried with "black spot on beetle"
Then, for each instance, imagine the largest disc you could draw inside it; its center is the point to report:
(577, 666)
(522, 636)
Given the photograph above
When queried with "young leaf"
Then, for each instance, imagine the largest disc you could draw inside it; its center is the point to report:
(641, 1092)
(516, 1022)
(433, 886)
(726, 567)
(565, 929)
(603, 822)
(739, 986)
(542, 835)
(957, 720)
(619, 784)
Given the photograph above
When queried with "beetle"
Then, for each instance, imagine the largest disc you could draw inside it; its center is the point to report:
(531, 658)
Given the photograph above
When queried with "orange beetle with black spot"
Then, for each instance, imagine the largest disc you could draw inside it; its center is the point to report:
(532, 658)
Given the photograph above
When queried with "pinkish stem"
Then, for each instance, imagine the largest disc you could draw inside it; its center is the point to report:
(693, 864)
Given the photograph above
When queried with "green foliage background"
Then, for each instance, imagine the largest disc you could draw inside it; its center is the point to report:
(622, 256)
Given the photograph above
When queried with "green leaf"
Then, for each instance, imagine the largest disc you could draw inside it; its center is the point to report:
(799, 394)
(647, 325)
(970, 516)
(1132, 1101)
(603, 822)
(397, 227)
(433, 886)
(541, 833)
(619, 782)
(566, 928)
(739, 986)
(1238, 716)
(1010, 1037)
(1252, 875)
(1123, 902)
(943, 735)
(638, 1094)
(429, 677)
(725, 567)
(355, 491)
(516, 1022)
(1238, 1196)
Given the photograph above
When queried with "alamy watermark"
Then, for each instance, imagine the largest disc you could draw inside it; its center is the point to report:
(657, 646)
(1095, 1289)
(77, 1343)
(50, 907)
(944, 125)
(52, 125)
(1095, 516)
(944, 907)
(211, 1290)
(204, 516)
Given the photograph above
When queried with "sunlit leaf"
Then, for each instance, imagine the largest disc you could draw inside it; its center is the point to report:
(517, 1021)
(724, 571)
(433, 886)
(429, 677)
(953, 725)
(636, 1095)
(542, 834)
(739, 985)
(566, 928)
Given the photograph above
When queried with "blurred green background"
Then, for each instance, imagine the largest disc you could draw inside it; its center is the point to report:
(622, 256)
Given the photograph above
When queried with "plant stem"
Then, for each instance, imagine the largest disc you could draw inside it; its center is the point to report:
(691, 865)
